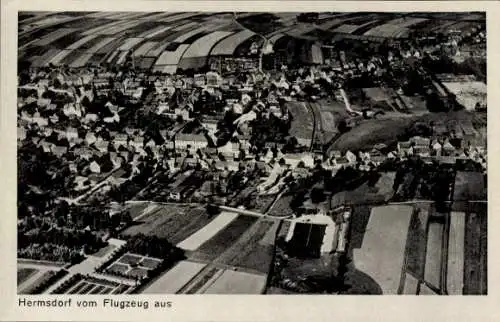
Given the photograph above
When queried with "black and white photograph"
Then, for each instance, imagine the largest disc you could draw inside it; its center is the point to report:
(274, 153)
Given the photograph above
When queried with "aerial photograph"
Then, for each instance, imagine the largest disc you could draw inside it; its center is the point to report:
(340, 153)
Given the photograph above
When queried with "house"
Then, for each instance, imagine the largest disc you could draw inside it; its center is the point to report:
(46, 146)
(404, 147)
(94, 167)
(71, 109)
(59, 151)
(420, 141)
(341, 162)
(54, 119)
(39, 120)
(190, 162)
(129, 130)
(196, 141)
(422, 151)
(137, 142)
(120, 139)
(71, 133)
(351, 157)
(43, 102)
(448, 149)
(335, 154)
(293, 159)
(124, 155)
(90, 138)
(199, 80)
(84, 153)
(112, 119)
(437, 148)
(229, 150)
(21, 133)
(210, 124)
(116, 159)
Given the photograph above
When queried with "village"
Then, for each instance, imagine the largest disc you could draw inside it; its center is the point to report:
(246, 151)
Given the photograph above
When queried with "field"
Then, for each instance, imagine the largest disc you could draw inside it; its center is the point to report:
(468, 186)
(475, 261)
(433, 262)
(327, 115)
(416, 244)
(215, 246)
(302, 122)
(174, 222)
(90, 285)
(282, 206)
(24, 273)
(263, 202)
(36, 279)
(456, 252)
(174, 279)
(371, 132)
(381, 256)
(136, 209)
(233, 282)
(203, 281)
(194, 241)
(248, 252)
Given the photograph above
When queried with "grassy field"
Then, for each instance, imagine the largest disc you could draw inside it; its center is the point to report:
(215, 246)
(248, 252)
(417, 240)
(468, 186)
(381, 255)
(24, 273)
(387, 130)
(475, 260)
(371, 132)
(194, 241)
(302, 123)
(282, 206)
(233, 282)
(433, 262)
(263, 202)
(327, 117)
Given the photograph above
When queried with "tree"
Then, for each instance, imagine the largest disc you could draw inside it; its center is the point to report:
(213, 210)
(317, 195)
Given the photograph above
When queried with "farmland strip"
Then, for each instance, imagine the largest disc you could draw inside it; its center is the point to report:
(194, 241)
(456, 250)
(219, 243)
(97, 289)
(174, 279)
(204, 280)
(87, 288)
